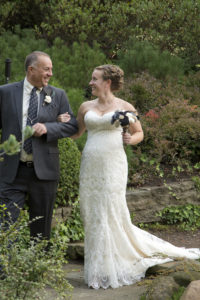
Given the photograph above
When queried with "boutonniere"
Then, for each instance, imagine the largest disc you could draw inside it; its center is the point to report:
(47, 99)
(49, 95)
(124, 118)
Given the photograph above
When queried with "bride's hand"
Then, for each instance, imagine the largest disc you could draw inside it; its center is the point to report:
(126, 138)
(64, 118)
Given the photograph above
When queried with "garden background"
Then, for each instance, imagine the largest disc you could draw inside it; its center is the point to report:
(156, 43)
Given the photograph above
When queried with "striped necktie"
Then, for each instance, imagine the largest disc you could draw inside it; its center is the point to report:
(31, 118)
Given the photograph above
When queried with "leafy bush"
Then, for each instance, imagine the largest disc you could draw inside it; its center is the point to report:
(27, 265)
(169, 24)
(69, 172)
(144, 92)
(190, 86)
(72, 228)
(16, 47)
(186, 216)
(11, 146)
(143, 56)
(170, 123)
(76, 97)
(172, 25)
(19, 13)
(172, 133)
(86, 21)
(72, 66)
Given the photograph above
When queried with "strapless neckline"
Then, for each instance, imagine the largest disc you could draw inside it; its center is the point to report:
(100, 116)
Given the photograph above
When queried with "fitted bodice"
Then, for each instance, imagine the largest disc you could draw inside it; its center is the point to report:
(95, 122)
(102, 132)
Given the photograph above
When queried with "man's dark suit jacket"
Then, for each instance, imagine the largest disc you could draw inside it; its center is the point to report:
(45, 148)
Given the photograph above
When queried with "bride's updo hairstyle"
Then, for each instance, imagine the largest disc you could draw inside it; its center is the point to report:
(114, 73)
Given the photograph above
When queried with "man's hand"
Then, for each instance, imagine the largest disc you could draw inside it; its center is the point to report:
(39, 129)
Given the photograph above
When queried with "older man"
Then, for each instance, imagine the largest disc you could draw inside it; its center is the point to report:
(35, 170)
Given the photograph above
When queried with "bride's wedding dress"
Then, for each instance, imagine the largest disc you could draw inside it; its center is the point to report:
(116, 252)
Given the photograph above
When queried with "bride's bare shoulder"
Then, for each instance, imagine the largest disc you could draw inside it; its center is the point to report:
(87, 105)
(125, 105)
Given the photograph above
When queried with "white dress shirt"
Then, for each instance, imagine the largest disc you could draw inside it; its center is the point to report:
(26, 98)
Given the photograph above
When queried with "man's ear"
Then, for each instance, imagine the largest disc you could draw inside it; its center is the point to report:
(30, 68)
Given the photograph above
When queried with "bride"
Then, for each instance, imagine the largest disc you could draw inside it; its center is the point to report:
(116, 252)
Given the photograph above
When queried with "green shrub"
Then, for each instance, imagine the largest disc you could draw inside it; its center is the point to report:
(69, 172)
(146, 92)
(196, 180)
(143, 56)
(172, 25)
(186, 217)
(172, 133)
(190, 88)
(72, 228)
(19, 13)
(16, 47)
(27, 265)
(169, 24)
(76, 97)
(86, 21)
(73, 65)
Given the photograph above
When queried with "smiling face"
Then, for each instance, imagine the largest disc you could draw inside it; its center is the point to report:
(97, 83)
(39, 73)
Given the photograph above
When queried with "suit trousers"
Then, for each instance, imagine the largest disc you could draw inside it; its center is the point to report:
(39, 194)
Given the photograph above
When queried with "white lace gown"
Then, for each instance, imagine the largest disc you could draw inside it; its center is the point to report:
(116, 252)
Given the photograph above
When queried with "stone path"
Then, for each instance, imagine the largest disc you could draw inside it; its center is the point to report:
(81, 291)
(74, 274)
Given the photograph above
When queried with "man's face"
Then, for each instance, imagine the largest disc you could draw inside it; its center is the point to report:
(40, 73)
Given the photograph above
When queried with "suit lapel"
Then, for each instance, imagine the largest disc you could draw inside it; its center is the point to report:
(18, 95)
(42, 95)
(45, 109)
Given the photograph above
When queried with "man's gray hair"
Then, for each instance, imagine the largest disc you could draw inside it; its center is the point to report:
(32, 58)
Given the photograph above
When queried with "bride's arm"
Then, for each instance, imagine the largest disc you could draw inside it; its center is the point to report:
(135, 132)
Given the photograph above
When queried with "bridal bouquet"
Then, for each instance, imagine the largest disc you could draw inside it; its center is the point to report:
(124, 118)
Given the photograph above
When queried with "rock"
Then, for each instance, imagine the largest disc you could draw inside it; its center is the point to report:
(184, 278)
(192, 292)
(188, 266)
(170, 276)
(75, 250)
(60, 215)
(162, 288)
(145, 202)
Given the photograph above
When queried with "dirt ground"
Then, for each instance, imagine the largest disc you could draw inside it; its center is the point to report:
(179, 238)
